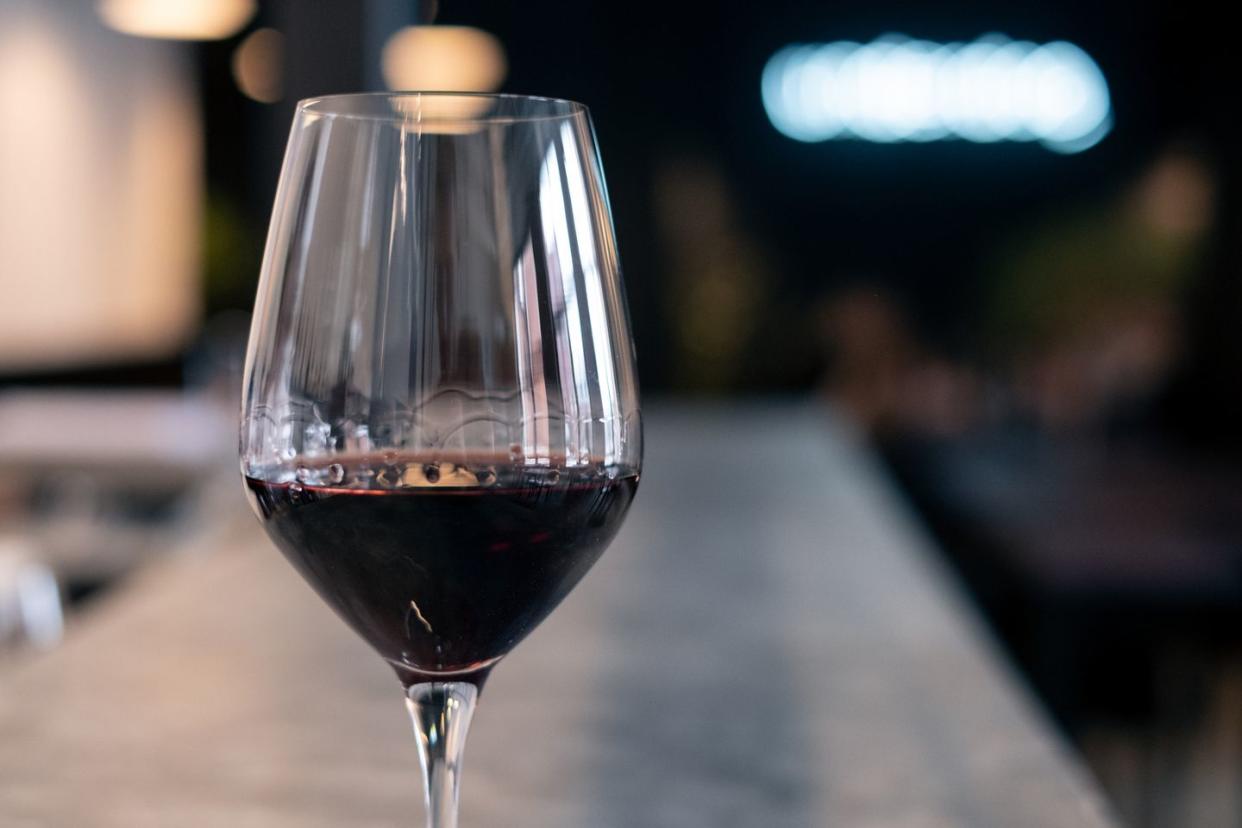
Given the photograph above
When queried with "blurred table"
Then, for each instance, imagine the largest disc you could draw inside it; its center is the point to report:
(1111, 564)
(153, 436)
(770, 642)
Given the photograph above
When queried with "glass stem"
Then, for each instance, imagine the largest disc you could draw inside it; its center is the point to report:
(441, 713)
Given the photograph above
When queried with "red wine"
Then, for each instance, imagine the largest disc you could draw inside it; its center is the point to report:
(443, 569)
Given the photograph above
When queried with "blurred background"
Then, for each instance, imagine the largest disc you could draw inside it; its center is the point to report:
(1004, 240)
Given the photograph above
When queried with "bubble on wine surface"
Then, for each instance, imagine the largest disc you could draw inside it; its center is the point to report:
(336, 473)
(540, 476)
(390, 476)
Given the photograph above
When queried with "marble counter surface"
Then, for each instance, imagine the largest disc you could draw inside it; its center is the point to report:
(770, 642)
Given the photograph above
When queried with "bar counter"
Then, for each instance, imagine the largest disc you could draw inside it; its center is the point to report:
(771, 641)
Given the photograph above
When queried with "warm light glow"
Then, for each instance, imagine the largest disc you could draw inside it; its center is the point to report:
(178, 19)
(101, 164)
(898, 89)
(443, 59)
(257, 65)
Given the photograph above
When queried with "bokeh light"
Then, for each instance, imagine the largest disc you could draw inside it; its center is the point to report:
(443, 59)
(899, 89)
(178, 19)
(257, 64)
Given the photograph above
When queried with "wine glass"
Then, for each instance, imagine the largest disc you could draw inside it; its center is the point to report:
(440, 424)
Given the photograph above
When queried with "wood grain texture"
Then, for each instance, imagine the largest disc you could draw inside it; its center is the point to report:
(770, 642)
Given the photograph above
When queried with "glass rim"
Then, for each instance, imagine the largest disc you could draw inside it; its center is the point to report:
(341, 105)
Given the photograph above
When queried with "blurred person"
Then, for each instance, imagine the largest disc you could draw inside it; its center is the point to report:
(881, 375)
(719, 280)
(1085, 318)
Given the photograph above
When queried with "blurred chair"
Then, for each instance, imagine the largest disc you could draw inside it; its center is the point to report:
(100, 482)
